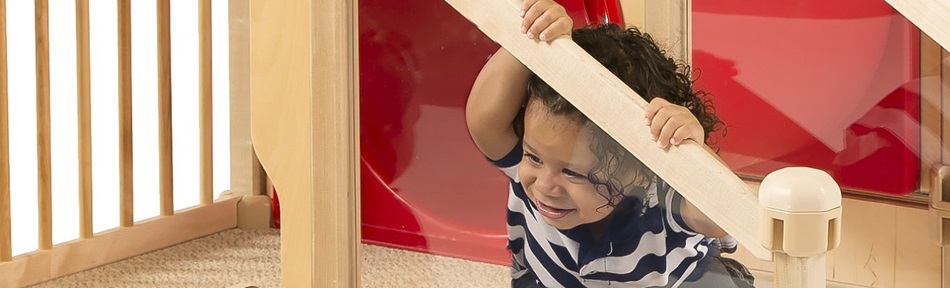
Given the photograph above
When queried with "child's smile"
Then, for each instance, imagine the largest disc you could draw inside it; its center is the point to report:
(554, 170)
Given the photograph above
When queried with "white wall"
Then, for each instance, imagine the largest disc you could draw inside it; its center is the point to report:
(103, 37)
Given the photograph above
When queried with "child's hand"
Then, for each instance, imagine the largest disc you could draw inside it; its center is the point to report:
(545, 19)
(672, 124)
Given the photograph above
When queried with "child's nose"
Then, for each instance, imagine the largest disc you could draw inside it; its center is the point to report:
(547, 184)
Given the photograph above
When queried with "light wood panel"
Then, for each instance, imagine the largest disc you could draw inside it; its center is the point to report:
(304, 126)
(634, 12)
(931, 16)
(125, 113)
(670, 24)
(6, 251)
(84, 121)
(280, 126)
(120, 243)
(206, 123)
(247, 175)
(43, 161)
(166, 185)
(691, 168)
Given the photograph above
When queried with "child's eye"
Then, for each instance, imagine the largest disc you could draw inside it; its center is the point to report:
(533, 159)
(572, 174)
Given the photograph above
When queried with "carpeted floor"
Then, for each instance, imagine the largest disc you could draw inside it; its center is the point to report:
(220, 260)
(251, 258)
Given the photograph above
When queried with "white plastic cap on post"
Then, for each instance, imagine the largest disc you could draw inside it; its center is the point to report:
(799, 189)
(802, 209)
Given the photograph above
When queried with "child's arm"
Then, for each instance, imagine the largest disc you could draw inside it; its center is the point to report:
(494, 103)
(672, 124)
(501, 86)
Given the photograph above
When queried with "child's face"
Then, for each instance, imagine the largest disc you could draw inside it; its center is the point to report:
(555, 166)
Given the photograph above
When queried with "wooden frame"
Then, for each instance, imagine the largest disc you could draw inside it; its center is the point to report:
(305, 128)
(130, 239)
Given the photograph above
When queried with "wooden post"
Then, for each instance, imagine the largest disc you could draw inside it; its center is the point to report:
(6, 252)
(802, 214)
(166, 185)
(125, 113)
(84, 123)
(205, 107)
(305, 127)
(43, 161)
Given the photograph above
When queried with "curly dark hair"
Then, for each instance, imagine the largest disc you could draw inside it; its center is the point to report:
(635, 58)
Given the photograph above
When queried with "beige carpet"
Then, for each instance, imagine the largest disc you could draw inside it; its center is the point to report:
(249, 257)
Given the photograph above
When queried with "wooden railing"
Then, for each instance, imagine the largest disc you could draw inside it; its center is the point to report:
(131, 238)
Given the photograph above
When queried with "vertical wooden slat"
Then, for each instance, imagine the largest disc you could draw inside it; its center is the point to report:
(44, 187)
(247, 175)
(6, 252)
(85, 128)
(166, 182)
(205, 102)
(125, 114)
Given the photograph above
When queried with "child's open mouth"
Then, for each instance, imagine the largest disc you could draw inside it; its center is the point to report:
(551, 212)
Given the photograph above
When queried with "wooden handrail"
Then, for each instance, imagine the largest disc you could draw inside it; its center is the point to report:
(692, 169)
(165, 165)
(85, 122)
(931, 16)
(125, 114)
(43, 161)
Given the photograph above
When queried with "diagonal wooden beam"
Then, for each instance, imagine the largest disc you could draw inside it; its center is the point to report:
(692, 169)
(931, 16)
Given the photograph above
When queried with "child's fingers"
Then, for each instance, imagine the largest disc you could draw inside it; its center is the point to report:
(560, 26)
(659, 120)
(666, 134)
(530, 16)
(526, 5)
(652, 108)
(545, 21)
(540, 23)
(684, 133)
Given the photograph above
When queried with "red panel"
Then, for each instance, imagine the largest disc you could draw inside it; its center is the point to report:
(425, 186)
(604, 11)
(826, 84)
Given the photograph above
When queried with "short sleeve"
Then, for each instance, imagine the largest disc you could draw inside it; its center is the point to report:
(509, 163)
(672, 200)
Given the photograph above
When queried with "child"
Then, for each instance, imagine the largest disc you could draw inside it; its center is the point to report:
(582, 211)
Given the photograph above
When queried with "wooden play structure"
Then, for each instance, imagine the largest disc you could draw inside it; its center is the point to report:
(295, 113)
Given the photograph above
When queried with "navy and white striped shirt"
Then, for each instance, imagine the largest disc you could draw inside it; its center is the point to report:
(650, 247)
